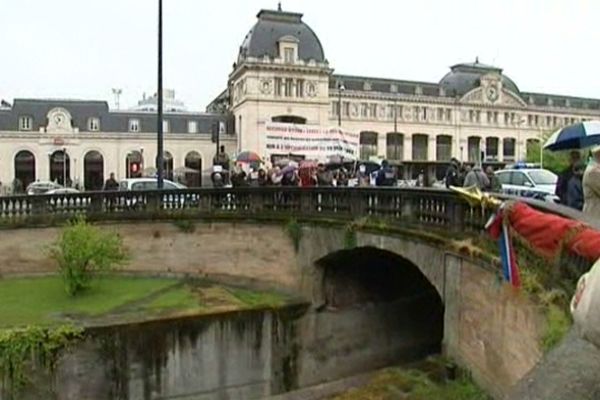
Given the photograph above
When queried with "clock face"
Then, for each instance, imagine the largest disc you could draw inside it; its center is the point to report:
(492, 93)
(59, 118)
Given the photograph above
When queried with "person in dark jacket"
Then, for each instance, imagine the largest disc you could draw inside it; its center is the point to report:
(574, 196)
(386, 175)
(111, 183)
(495, 185)
(453, 175)
(565, 177)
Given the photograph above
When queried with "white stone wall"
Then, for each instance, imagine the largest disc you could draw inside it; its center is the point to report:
(114, 148)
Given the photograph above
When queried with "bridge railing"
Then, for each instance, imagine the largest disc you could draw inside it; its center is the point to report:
(428, 208)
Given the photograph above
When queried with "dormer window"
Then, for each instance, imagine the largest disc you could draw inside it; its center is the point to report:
(288, 49)
(134, 125)
(94, 124)
(288, 55)
(25, 123)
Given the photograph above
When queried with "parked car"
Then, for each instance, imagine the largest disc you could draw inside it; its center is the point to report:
(41, 187)
(63, 190)
(528, 181)
(139, 184)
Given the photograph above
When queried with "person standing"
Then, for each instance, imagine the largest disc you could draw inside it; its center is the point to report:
(476, 177)
(565, 176)
(453, 174)
(111, 183)
(495, 186)
(222, 159)
(574, 197)
(385, 175)
(591, 186)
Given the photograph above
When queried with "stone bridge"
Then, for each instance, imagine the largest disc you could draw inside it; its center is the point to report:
(295, 239)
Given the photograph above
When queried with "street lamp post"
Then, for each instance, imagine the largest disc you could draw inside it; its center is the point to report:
(64, 167)
(341, 88)
(159, 94)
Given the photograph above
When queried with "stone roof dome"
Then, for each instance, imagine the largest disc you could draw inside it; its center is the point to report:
(464, 77)
(272, 26)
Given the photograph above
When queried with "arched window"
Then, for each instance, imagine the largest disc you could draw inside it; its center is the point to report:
(60, 168)
(193, 169)
(474, 149)
(290, 119)
(420, 142)
(134, 164)
(368, 145)
(93, 171)
(395, 146)
(443, 148)
(24, 168)
(509, 150)
(491, 149)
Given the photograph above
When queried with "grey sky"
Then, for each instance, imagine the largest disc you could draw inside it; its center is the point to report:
(83, 48)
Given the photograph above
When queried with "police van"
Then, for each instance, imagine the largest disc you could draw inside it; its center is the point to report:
(528, 180)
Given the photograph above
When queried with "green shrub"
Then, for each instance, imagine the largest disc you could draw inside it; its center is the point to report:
(82, 251)
(24, 350)
(294, 231)
(350, 239)
(558, 324)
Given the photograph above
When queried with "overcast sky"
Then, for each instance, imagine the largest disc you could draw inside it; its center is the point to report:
(83, 48)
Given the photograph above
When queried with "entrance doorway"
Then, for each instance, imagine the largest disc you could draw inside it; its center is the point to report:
(193, 162)
(93, 171)
(24, 169)
(60, 168)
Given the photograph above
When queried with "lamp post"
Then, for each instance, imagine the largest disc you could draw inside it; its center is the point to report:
(64, 167)
(159, 95)
(341, 88)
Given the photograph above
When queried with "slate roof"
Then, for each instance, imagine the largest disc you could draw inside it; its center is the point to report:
(271, 26)
(110, 121)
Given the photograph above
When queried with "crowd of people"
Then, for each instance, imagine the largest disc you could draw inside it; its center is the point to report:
(578, 185)
(464, 175)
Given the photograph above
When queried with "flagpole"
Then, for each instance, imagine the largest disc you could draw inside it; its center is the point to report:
(159, 95)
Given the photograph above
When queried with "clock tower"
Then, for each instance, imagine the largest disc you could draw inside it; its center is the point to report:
(281, 75)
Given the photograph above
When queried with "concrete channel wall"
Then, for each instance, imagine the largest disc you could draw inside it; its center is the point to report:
(490, 329)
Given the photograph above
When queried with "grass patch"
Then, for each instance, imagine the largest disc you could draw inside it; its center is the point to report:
(179, 298)
(412, 384)
(558, 324)
(43, 301)
(255, 299)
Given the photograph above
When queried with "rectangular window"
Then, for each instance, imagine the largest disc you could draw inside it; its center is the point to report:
(165, 126)
(530, 120)
(94, 124)
(373, 110)
(364, 110)
(134, 125)
(548, 121)
(490, 117)
(300, 88)
(448, 114)
(389, 113)
(192, 127)
(508, 150)
(289, 87)
(335, 108)
(346, 110)
(440, 114)
(471, 115)
(288, 55)
(495, 117)
(424, 113)
(25, 123)
(278, 86)
(506, 118)
(478, 116)
(537, 120)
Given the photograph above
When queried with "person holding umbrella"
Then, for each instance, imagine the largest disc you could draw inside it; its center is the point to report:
(565, 176)
(591, 186)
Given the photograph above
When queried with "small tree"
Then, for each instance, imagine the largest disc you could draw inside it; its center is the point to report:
(83, 250)
(556, 162)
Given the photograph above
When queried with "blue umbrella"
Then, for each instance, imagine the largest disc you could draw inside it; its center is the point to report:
(576, 136)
